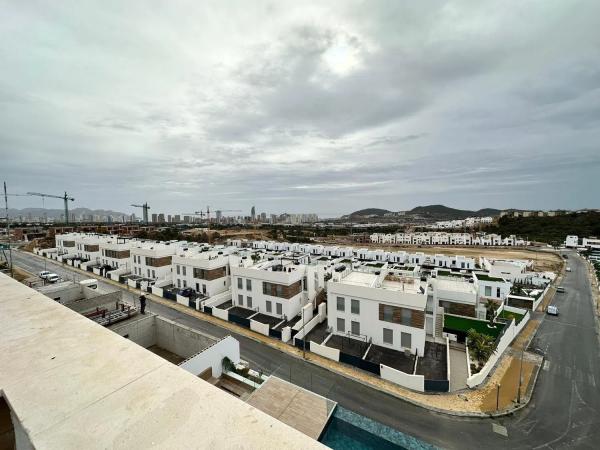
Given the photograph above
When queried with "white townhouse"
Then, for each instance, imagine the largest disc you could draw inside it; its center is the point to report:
(509, 269)
(202, 268)
(87, 247)
(386, 308)
(65, 244)
(492, 287)
(276, 285)
(116, 251)
(153, 260)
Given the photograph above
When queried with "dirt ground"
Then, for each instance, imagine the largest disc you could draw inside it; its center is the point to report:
(509, 385)
(542, 260)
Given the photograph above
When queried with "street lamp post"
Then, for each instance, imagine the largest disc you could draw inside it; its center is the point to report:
(497, 396)
(520, 377)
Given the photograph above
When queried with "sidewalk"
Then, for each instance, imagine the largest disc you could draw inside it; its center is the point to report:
(471, 403)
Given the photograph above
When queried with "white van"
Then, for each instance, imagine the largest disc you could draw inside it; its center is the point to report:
(92, 283)
(52, 278)
(44, 273)
(552, 310)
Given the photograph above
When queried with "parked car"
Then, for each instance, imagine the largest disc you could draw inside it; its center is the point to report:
(43, 274)
(560, 289)
(52, 278)
(565, 256)
(552, 310)
(187, 292)
(568, 269)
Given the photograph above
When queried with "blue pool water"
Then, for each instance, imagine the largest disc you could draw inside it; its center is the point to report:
(350, 431)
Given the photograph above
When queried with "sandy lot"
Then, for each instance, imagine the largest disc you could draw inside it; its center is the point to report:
(543, 260)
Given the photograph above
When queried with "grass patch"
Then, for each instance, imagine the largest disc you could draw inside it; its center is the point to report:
(511, 315)
(465, 324)
(484, 277)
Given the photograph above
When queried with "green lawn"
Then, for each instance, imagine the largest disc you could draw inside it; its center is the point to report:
(465, 324)
(511, 315)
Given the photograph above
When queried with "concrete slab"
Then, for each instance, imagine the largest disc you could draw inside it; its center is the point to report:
(458, 369)
(301, 409)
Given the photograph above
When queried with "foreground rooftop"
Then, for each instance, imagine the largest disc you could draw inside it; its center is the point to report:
(74, 384)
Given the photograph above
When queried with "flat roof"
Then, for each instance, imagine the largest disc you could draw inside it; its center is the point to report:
(74, 384)
(455, 285)
(360, 279)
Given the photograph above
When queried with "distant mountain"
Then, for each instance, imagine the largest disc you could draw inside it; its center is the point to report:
(57, 213)
(444, 212)
(370, 212)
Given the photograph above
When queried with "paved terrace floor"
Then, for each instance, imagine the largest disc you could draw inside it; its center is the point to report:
(391, 358)
(318, 333)
(301, 409)
(269, 320)
(433, 364)
(241, 312)
(347, 345)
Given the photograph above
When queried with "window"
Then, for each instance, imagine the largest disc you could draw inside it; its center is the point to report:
(248, 284)
(341, 325)
(498, 292)
(153, 274)
(406, 316)
(183, 269)
(341, 304)
(279, 309)
(388, 336)
(249, 300)
(354, 307)
(240, 283)
(178, 283)
(148, 273)
(269, 306)
(240, 299)
(405, 340)
(197, 287)
(178, 269)
(462, 265)
(388, 313)
(355, 327)
(184, 284)
(488, 291)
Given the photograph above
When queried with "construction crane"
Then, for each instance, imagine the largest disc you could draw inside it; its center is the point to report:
(145, 209)
(65, 197)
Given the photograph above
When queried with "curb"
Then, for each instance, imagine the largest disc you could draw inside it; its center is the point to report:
(242, 331)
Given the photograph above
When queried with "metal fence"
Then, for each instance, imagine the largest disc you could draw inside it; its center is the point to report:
(239, 320)
(360, 363)
(437, 385)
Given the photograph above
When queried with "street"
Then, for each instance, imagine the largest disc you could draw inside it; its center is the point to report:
(563, 413)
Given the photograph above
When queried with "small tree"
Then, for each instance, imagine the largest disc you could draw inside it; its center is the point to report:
(481, 345)
(490, 308)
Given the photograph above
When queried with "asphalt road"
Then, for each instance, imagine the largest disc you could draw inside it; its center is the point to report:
(564, 411)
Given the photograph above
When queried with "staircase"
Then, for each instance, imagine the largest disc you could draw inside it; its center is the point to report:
(439, 323)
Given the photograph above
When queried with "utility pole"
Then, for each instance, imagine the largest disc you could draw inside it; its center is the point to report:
(303, 337)
(10, 262)
(497, 396)
(520, 378)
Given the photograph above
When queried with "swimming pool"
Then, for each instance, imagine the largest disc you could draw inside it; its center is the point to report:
(350, 431)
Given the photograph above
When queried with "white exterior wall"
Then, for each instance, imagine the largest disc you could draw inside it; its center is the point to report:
(183, 273)
(137, 261)
(289, 307)
(368, 316)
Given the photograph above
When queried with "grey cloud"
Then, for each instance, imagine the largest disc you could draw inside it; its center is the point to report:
(325, 107)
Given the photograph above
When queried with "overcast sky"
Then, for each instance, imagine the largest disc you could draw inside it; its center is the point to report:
(294, 106)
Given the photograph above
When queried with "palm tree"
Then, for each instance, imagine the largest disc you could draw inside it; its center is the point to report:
(481, 345)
